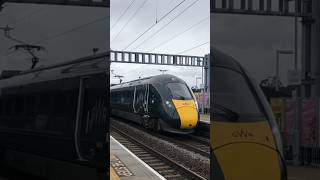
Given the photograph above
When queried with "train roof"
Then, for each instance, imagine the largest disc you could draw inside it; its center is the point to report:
(149, 80)
(82, 66)
(222, 59)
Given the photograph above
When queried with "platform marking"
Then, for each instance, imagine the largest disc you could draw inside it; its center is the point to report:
(138, 159)
(113, 174)
(120, 168)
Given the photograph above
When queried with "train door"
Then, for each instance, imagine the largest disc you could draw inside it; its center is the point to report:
(91, 126)
(141, 107)
(153, 101)
(139, 99)
(153, 108)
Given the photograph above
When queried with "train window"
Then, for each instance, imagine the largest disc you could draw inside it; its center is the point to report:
(0, 108)
(112, 97)
(117, 97)
(18, 106)
(9, 107)
(65, 106)
(130, 96)
(231, 91)
(4, 107)
(125, 96)
(1, 114)
(30, 105)
(122, 97)
(179, 91)
(140, 95)
(28, 111)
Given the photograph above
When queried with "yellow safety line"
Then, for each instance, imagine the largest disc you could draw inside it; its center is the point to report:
(113, 174)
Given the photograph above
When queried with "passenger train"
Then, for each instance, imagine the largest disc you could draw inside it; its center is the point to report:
(53, 119)
(245, 140)
(163, 103)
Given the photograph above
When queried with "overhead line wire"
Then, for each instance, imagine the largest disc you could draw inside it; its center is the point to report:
(193, 47)
(179, 34)
(19, 20)
(125, 11)
(70, 30)
(151, 36)
(129, 20)
(164, 16)
(157, 21)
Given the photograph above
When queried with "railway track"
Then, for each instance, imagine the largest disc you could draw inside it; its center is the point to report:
(192, 143)
(168, 168)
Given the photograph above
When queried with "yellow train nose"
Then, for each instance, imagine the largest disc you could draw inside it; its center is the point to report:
(245, 151)
(248, 161)
(187, 112)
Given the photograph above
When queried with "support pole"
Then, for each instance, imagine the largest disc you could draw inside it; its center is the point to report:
(306, 48)
(315, 47)
(305, 89)
(277, 71)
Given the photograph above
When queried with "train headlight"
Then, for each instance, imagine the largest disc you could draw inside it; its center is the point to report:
(169, 104)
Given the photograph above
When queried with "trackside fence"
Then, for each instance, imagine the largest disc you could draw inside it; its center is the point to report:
(307, 126)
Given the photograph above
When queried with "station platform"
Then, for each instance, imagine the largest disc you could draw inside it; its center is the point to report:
(127, 166)
(303, 173)
(204, 124)
(205, 118)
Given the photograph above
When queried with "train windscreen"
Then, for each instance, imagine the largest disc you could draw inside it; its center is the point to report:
(179, 91)
(233, 96)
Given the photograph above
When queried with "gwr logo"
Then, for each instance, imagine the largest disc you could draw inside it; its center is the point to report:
(242, 134)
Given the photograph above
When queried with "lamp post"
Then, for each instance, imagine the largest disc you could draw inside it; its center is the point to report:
(278, 52)
(296, 130)
(197, 81)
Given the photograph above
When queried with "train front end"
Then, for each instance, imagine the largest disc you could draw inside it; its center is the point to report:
(181, 107)
(245, 140)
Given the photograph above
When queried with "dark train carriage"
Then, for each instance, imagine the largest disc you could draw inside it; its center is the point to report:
(163, 103)
(53, 119)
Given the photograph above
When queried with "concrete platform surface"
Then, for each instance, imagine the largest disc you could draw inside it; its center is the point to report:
(127, 166)
(205, 118)
(303, 173)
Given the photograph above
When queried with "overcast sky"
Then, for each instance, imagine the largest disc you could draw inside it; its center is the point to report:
(173, 39)
(47, 23)
(253, 41)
